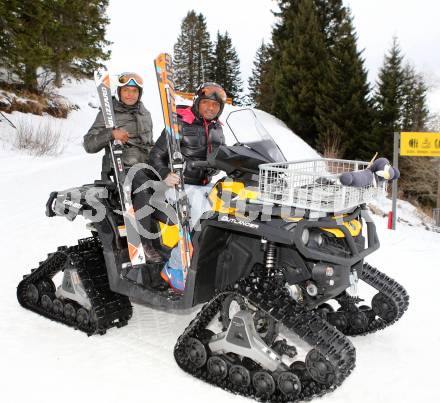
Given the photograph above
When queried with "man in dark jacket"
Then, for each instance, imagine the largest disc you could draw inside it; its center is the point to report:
(135, 131)
(201, 134)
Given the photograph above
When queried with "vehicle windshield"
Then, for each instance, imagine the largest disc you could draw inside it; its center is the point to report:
(248, 130)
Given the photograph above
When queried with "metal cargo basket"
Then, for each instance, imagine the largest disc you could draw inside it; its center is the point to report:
(314, 184)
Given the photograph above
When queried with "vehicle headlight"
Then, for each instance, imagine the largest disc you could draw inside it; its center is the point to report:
(305, 236)
(318, 238)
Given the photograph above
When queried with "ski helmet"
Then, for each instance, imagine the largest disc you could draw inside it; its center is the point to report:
(130, 79)
(209, 90)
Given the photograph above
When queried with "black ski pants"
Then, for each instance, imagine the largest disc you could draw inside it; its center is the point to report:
(140, 200)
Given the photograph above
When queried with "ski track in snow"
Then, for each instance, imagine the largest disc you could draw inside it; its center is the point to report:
(43, 361)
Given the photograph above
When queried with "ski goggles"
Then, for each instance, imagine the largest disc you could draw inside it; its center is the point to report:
(130, 79)
(213, 91)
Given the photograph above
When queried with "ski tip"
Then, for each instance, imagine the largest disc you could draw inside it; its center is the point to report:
(163, 57)
(102, 76)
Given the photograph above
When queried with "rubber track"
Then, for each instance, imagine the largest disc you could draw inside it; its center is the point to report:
(391, 289)
(307, 325)
(110, 309)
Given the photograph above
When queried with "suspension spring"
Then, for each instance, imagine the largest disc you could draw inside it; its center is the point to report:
(270, 256)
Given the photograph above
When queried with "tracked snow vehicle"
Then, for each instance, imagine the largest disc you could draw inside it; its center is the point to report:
(278, 282)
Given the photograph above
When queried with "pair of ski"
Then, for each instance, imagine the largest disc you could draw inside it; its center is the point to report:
(165, 80)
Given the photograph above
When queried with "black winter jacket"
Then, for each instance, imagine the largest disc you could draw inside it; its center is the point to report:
(198, 139)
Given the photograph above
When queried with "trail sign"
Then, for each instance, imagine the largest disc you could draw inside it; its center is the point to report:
(413, 144)
(420, 144)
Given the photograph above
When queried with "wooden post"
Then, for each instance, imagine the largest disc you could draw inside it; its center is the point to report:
(438, 189)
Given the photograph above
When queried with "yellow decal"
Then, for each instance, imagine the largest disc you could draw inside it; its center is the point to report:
(169, 234)
(236, 191)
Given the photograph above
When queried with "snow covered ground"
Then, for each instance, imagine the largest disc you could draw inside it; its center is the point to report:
(42, 361)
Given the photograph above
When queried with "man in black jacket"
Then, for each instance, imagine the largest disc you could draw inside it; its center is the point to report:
(135, 131)
(201, 133)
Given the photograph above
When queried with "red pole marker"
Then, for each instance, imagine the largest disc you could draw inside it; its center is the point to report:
(390, 220)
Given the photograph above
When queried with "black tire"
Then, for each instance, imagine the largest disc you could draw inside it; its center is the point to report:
(338, 320)
(58, 307)
(93, 317)
(384, 307)
(70, 312)
(217, 367)
(319, 368)
(263, 383)
(32, 294)
(196, 352)
(371, 315)
(82, 317)
(300, 370)
(289, 384)
(46, 302)
(239, 376)
(358, 321)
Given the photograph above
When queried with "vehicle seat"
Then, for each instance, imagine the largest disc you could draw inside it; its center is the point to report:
(107, 175)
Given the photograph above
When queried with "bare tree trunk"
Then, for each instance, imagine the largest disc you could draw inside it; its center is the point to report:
(30, 78)
(58, 76)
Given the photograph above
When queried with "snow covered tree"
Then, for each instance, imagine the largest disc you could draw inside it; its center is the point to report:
(192, 53)
(226, 67)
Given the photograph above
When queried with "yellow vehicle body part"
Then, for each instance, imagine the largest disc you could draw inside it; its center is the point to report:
(353, 226)
(238, 191)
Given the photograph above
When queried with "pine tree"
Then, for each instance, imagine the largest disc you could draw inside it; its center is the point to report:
(192, 53)
(415, 111)
(332, 104)
(3, 29)
(301, 71)
(352, 112)
(331, 14)
(258, 88)
(75, 36)
(389, 99)
(204, 51)
(400, 102)
(59, 35)
(184, 63)
(21, 48)
(226, 67)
